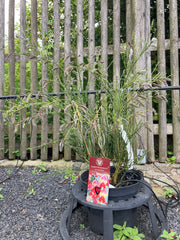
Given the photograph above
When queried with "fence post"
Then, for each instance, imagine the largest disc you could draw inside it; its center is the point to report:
(150, 135)
(162, 70)
(138, 17)
(44, 123)
(11, 77)
(116, 43)
(91, 49)
(2, 17)
(175, 77)
(80, 58)
(67, 57)
(56, 72)
(104, 37)
(80, 49)
(23, 74)
(33, 131)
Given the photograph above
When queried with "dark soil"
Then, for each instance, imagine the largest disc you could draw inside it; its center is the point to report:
(37, 216)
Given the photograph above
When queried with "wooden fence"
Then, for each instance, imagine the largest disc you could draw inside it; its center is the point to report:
(135, 15)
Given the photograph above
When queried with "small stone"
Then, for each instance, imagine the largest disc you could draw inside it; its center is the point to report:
(77, 165)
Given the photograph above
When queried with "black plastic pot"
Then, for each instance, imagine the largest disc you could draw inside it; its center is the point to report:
(95, 216)
(121, 192)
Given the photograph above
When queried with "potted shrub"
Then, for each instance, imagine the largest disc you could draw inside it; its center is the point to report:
(110, 127)
(107, 129)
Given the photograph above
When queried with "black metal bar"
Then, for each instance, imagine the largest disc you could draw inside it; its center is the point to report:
(86, 92)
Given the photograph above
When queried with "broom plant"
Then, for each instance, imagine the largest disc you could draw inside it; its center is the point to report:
(110, 127)
(107, 129)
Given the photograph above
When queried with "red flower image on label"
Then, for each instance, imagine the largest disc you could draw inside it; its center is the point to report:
(97, 190)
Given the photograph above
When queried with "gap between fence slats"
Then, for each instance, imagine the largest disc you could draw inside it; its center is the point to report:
(175, 77)
(162, 70)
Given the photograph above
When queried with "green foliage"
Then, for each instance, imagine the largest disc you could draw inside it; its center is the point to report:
(16, 153)
(82, 226)
(126, 233)
(168, 236)
(33, 172)
(94, 129)
(32, 192)
(168, 192)
(170, 159)
(42, 167)
(70, 175)
(1, 196)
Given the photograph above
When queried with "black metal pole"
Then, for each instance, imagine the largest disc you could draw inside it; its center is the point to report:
(87, 92)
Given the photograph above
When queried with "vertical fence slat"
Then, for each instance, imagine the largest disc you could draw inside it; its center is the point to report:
(56, 72)
(44, 125)
(23, 74)
(67, 52)
(80, 58)
(2, 17)
(175, 77)
(116, 43)
(91, 49)
(162, 69)
(80, 49)
(138, 10)
(104, 45)
(33, 132)
(11, 75)
(104, 37)
(128, 20)
(150, 135)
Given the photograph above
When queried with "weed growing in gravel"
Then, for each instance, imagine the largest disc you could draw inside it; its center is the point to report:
(168, 192)
(33, 172)
(42, 167)
(70, 176)
(82, 226)
(171, 159)
(1, 196)
(32, 192)
(126, 233)
(169, 236)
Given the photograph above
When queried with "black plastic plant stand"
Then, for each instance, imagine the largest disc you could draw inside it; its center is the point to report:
(143, 197)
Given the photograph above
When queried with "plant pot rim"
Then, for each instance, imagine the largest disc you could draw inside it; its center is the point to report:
(85, 174)
(118, 193)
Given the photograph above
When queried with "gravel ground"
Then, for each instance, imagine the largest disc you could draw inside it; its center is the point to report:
(37, 216)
